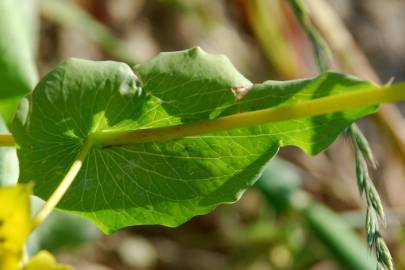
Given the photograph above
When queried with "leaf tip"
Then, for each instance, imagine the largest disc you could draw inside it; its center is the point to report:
(195, 51)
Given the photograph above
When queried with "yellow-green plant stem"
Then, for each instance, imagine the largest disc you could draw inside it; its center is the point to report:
(366, 97)
(373, 95)
(6, 139)
(63, 186)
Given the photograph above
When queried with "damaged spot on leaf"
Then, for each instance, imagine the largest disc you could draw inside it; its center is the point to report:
(240, 91)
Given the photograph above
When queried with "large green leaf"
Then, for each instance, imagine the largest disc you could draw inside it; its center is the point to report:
(17, 68)
(163, 182)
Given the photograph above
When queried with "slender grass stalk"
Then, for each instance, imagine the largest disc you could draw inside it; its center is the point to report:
(321, 50)
(351, 58)
(64, 185)
(374, 95)
(361, 148)
(6, 139)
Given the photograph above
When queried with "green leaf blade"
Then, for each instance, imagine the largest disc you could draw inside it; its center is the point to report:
(169, 182)
(311, 134)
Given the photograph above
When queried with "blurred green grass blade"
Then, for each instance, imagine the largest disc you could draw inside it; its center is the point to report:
(339, 238)
(67, 13)
(18, 73)
(31, 17)
(280, 184)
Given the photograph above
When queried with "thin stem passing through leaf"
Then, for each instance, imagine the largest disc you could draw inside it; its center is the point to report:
(64, 185)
